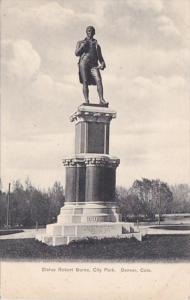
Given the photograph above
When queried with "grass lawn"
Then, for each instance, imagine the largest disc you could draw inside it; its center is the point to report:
(153, 247)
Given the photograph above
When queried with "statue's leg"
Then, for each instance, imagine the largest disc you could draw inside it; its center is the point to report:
(100, 91)
(97, 77)
(83, 67)
(86, 91)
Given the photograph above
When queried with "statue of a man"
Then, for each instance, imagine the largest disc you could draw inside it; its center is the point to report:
(89, 68)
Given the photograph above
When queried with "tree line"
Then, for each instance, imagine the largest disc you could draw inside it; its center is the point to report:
(29, 206)
(148, 198)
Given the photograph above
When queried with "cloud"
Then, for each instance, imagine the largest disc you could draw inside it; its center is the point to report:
(53, 14)
(22, 61)
(34, 96)
(36, 151)
(57, 21)
(133, 61)
(48, 19)
(142, 100)
(22, 64)
(146, 5)
(37, 161)
(167, 26)
(44, 87)
(154, 149)
(145, 21)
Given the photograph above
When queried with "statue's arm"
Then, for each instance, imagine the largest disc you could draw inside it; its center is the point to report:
(100, 57)
(79, 48)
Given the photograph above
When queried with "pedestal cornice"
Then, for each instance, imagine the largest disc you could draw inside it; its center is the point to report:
(87, 113)
(92, 160)
(101, 162)
(71, 162)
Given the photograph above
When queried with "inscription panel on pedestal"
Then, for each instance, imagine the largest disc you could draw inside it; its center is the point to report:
(92, 219)
(96, 137)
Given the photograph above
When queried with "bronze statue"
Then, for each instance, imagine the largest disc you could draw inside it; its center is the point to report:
(89, 68)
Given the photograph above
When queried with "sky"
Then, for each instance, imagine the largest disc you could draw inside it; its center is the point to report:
(145, 44)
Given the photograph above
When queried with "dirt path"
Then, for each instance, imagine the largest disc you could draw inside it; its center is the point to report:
(31, 233)
(27, 234)
(148, 230)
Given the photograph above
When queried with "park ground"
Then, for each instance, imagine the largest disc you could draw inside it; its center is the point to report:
(155, 248)
(168, 242)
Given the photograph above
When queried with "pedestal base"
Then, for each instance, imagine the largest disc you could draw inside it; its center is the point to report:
(84, 220)
(63, 234)
(88, 212)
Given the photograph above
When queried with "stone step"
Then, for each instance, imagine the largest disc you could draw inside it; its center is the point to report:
(65, 240)
(58, 234)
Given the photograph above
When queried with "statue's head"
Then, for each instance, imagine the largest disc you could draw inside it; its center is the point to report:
(90, 31)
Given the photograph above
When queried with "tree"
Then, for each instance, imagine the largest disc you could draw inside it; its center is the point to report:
(181, 196)
(129, 204)
(154, 196)
(19, 206)
(3, 208)
(121, 196)
(57, 199)
(39, 207)
(39, 203)
(30, 206)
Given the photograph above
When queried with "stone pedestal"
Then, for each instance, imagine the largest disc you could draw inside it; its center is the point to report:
(90, 209)
(92, 126)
